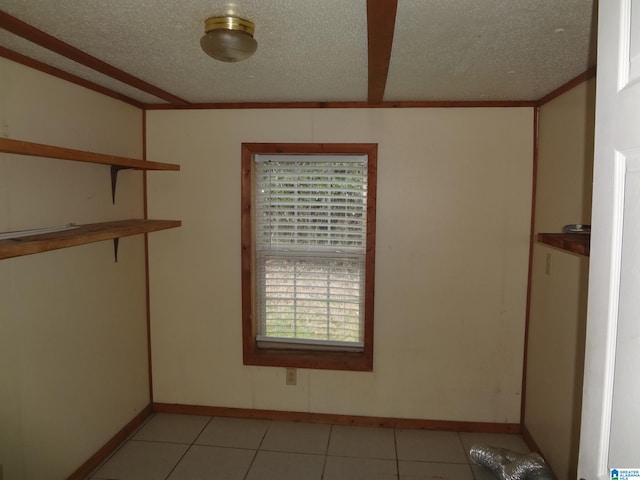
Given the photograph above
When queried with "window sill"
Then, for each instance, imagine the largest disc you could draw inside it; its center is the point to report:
(314, 359)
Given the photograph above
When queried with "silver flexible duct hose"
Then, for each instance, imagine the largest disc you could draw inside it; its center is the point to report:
(509, 465)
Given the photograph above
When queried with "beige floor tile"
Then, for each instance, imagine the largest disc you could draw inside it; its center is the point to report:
(296, 437)
(247, 449)
(174, 428)
(233, 432)
(364, 442)
(430, 446)
(434, 470)
(142, 461)
(353, 468)
(215, 463)
(286, 466)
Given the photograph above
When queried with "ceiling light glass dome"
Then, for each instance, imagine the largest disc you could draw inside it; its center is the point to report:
(228, 39)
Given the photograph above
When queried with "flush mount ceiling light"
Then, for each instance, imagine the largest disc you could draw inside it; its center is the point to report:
(228, 39)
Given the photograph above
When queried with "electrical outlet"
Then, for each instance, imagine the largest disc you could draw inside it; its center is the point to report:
(547, 268)
(292, 376)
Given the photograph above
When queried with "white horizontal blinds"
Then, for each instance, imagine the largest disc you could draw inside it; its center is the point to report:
(310, 221)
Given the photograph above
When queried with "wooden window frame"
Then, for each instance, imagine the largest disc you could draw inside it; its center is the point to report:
(295, 357)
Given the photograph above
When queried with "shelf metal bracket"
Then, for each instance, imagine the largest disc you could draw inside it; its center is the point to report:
(114, 180)
(116, 241)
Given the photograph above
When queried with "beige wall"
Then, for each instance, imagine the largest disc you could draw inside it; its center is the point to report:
(454, 192)
(72, 322)
(559, 297)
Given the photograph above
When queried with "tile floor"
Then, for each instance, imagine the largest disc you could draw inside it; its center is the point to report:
(193, 447)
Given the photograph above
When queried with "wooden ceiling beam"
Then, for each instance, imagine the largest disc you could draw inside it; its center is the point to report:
(381, 21)
(32, 34)
(56, 72)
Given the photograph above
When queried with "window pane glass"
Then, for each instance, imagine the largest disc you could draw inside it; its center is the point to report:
(310, 223)
(312, 298)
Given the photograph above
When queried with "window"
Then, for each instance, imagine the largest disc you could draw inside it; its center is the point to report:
(308, 248)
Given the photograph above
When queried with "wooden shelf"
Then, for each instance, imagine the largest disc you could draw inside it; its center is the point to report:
(89, 233)
(572, 242)
(81, 234)
(19, 147)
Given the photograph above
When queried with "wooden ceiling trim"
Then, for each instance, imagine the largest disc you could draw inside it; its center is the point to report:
(56, 72)
(32, 34)
(381, 21)
(574, 82)
(407, 104)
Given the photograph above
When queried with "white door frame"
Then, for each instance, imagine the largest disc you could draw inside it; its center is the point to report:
(614, 34)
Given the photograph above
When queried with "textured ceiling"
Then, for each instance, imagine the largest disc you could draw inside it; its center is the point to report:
(488, 49)
(316, 50)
